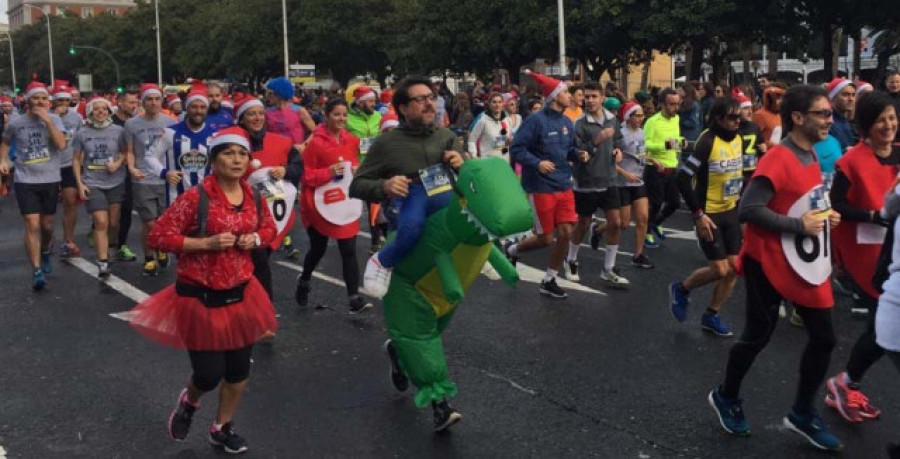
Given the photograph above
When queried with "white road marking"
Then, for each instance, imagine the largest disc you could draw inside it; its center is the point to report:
(512, 383)
(115, 282)
(536, 276)
(324, 277)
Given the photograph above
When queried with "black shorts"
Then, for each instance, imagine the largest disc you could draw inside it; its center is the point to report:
(68, 178)
(629, 194)
(727, 236)
(587, 202)
(37, 198)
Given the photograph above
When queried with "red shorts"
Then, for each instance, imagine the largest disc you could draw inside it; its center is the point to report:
(552, 210)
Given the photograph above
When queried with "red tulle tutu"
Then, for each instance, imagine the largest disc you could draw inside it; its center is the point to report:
(185, 323)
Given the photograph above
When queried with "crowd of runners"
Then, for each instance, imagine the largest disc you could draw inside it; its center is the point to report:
(793, 188)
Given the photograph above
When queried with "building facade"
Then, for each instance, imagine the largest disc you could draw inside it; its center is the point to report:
(25, 12)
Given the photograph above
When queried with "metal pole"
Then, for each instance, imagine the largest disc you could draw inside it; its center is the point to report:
(49, 39)
(158, 46)
(284, 26)
(12, 61)
(562, 38)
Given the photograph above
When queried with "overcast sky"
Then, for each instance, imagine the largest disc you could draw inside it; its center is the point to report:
(3, 11)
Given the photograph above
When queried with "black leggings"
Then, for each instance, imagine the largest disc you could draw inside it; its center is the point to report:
(125, 214)
(261, 269)
(866, 351)
(662, 190)
(210, 367)
(318, 242)
(762, 316)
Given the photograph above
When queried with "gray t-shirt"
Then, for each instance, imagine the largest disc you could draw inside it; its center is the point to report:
(99, 148)
(73, 122)
(143, 134)
(635, 155)
(37, 160)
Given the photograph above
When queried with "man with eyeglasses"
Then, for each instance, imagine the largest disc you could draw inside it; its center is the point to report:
(598, 133)
(662, 136)
(392, 171)
(710, 181)
(787, 255)
(544, 146)
(842, 93)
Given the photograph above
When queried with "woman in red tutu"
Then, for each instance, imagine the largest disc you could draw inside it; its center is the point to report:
(216, 309)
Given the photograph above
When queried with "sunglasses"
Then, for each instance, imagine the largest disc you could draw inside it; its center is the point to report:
(822, 113)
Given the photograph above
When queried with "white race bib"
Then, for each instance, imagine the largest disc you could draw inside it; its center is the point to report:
(333, 199)
(280, 195)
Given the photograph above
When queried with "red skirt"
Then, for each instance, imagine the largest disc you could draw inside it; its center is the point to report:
(186, 323)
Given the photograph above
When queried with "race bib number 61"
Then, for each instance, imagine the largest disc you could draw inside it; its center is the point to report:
(809, 256)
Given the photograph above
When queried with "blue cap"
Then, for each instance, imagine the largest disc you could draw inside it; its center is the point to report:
(282, 87)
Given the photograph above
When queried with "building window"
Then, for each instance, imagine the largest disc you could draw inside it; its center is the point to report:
(87, 12)
(113, 11)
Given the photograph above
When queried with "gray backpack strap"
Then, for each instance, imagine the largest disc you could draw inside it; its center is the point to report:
(202, 211)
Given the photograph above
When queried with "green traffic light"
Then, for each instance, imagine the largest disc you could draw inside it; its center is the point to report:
(120, 90)
(72, 51)
(18, 89)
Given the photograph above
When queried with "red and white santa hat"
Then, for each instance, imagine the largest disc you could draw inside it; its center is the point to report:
(389, 121)
(230, 135)
(836, 86)
(745, 101)
(197, 92)
(862, 86)
(550, 87)
(227, 103)
(628, 109)
(148, 89)
(171, 99)
(89, 108)
(61, 92)
(245, 104)
(363, 93)
(35, 87)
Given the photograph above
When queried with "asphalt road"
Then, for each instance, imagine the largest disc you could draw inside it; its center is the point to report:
(603, 374)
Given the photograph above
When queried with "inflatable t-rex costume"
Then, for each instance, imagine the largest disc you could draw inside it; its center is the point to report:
(426, 286)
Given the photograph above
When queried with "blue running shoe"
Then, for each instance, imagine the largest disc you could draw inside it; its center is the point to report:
(37, 280)
(714, 324)
(730, 413)
(651, 242)
(45, 262)
(678, 301)
(658, 233)
(813, 428)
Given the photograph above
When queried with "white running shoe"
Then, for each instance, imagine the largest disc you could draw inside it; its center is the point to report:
(614, 280)
(377, 278)
(571, 271)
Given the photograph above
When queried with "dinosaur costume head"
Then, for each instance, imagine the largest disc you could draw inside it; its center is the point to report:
(491, 203)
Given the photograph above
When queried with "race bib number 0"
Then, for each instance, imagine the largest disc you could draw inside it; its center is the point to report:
(435, 179)
(281, 204)
(809, 256)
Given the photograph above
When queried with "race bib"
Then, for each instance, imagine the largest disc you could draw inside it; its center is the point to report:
(365, 144)
(98, 161)
(37, 156)
(732, 187)
(499, 142)
(193, 161)
(280, 196)
(828, 179)
(809, 256)
(750, 161)
(333, 199)
(435, 179)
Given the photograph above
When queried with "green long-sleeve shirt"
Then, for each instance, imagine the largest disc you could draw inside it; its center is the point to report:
(403, 151)
(657, 130)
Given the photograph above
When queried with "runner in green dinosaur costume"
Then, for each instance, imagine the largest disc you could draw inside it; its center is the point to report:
(428, 285)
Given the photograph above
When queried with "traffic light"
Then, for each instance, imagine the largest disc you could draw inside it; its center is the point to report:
(72, 50)
(120, 90)
(18, 89)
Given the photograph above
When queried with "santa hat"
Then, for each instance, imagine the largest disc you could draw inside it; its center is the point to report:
(61, 91)
(171, 99)
(862, 86)
(736, 93)
(628, 109)
(227, 103)
(507, 97)
(35, 87)
(89, 108)
(745, 101)
(363, 93)
(550, 87)
(389, 121)
(197, 92)
(386, 96)
(148, 89)
(836, 86)
(245, 104)
(231, 135)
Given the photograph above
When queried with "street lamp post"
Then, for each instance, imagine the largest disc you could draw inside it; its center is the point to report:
(562, 38)
(284, 26)
(73, 47)
(158, 46)
(49, 39)
(12, 60)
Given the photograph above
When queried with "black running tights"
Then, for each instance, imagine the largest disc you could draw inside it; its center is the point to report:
(318, 242)
(262, 270)
(866, 351)
(210, 367)
(762, 315)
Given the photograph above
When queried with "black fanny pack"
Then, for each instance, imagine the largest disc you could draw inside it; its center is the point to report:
(209, 297)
